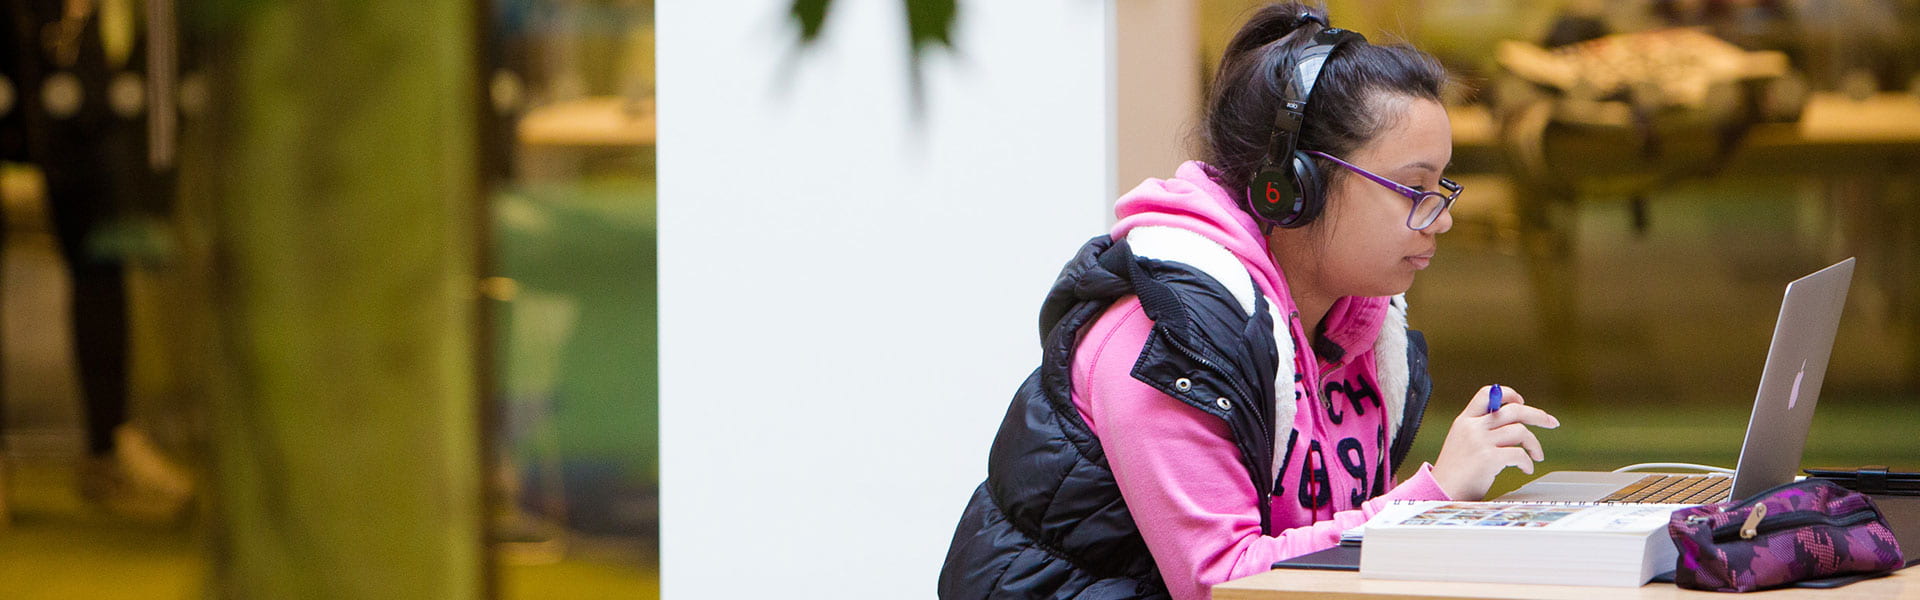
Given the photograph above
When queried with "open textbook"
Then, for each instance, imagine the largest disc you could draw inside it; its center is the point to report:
(1519, 542)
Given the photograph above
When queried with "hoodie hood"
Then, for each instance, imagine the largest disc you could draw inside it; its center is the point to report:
(1190, 218)
(1191, 200)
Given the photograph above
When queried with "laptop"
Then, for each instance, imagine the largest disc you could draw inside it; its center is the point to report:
(1777, 431)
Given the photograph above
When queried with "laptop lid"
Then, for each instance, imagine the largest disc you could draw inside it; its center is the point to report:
(1782, 409)
(1790, 382)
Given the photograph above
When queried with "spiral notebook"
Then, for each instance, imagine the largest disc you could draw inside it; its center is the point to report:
(1621, 545)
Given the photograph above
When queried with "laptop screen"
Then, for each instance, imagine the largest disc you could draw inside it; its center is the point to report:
(1790, 383)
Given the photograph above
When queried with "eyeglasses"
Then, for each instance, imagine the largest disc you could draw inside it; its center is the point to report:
(1427, 205)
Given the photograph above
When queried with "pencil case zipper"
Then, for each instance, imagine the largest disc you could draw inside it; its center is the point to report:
(1789, 520)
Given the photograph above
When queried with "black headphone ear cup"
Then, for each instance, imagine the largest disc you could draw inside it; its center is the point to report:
(1273, 196)
(1307, 188)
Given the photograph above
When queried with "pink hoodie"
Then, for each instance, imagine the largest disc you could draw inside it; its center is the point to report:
(1178, 468)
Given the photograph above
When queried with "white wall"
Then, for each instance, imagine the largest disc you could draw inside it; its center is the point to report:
(848, 296)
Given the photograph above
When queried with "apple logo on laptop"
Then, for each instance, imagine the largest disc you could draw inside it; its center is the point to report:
(1793, 397)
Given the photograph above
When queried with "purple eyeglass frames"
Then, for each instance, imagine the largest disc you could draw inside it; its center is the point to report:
(1427, 205)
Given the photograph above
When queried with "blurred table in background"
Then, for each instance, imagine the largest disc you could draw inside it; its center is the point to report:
(1840, 128)
(1863, 154)
(566, 140)
(590, 121)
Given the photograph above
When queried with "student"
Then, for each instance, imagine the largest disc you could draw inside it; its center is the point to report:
(1228, 379)
(76, 106)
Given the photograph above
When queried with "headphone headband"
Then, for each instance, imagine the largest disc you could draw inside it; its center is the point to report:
(1287, 185)
(1297, 88)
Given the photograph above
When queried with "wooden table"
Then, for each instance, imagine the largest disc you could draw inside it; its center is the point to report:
(1295, 583)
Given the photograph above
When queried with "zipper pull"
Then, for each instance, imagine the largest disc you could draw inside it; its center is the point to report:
(1752, 526)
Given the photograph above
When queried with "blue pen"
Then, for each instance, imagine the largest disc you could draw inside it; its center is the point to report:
(1493, 399)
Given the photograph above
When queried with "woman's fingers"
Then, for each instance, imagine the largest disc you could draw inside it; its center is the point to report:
(1509, 396)
(1517, 434)
(1519, 413)
(1516, 457)
(1490, 434)
(1482, 402)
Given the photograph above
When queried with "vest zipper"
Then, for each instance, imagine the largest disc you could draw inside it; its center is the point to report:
(1194, 356)
(1264, 429)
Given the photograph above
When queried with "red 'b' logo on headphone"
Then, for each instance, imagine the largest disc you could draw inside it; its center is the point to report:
(1273, 195)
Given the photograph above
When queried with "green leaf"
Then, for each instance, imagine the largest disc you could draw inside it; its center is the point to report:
(930, 22)
(929, 25)
(810, 16)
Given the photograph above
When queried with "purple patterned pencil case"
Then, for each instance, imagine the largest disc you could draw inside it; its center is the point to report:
(1802, 530)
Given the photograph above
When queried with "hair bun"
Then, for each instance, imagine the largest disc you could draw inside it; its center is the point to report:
(1272, 23)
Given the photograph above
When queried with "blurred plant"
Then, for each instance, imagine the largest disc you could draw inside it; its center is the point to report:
(929, 24)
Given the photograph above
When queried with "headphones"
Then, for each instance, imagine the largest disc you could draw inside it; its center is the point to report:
(1286, 192)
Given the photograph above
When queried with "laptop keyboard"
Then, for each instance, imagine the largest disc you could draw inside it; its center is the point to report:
(1674, 489)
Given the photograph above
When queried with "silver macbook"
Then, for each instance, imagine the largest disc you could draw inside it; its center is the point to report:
(1777, 432)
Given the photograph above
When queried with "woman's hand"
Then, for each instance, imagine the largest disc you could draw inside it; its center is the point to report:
(1481, 444)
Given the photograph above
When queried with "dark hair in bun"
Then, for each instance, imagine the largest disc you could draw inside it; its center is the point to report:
(1347, 109)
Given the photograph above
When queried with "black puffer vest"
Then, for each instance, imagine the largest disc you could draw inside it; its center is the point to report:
(1049, 521)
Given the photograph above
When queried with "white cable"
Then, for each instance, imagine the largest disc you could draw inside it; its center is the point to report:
(1669, 465)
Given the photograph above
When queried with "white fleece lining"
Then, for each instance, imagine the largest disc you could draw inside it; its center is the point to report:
(1284, 407)
(1160, 242)
(1390, 364)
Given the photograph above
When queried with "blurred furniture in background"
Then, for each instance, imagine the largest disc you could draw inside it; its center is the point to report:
(1861, 153)
(576, 369)
(571, 282)
(590, 121)
(1618, 116)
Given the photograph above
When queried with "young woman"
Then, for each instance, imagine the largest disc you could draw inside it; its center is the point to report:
(1228, 378)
